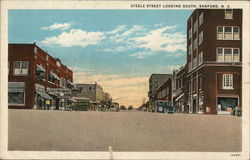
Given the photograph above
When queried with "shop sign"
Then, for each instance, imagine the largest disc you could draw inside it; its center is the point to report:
(39, 87)
(58, 90)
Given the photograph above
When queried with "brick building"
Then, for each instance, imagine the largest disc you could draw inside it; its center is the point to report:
(155, 81)
(214, 56)
(164, 91)
(36, 80)
(179, 89)
(93, 92)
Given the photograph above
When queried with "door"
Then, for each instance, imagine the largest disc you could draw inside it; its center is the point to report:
(194, 106)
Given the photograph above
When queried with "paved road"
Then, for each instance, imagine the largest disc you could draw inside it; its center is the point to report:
(124, 131)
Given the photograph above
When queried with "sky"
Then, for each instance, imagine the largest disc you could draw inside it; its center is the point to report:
(118, 49)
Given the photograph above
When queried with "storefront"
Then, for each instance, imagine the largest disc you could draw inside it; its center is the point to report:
(42, 99)
(61, 97)
(179, 103)
(226, 104)
(16, 93)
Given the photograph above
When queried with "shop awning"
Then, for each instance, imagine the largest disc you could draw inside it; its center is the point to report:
(40, 68)
(53, 75)
(70, 83)
(43, 94)
(179, 97)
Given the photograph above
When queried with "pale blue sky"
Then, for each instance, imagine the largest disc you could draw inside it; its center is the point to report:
(107, 45)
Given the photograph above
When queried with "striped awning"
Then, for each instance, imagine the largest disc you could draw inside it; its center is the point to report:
(53, 75)
(40, 68)
(43, 94)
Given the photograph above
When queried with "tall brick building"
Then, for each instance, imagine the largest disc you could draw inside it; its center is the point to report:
(214, 56)
(36, 80)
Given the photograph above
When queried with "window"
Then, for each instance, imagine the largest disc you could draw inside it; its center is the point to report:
(190, 66)
(190, 49)
(201, 18)
(200, 37)
(195, 43)
(195, 26)
(21, 68)
(190, 33)
(52, 77)
(63, 82)
(194, 85)
(167, 91)
(228, 54)
(189, 87)
(228, 33)
(227, 81)
(200, 83)
(200, 58)
(35, 50)
(195, 62)
(228, 14)
(16, 93)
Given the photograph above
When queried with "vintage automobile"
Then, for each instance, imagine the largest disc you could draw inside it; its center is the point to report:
(236, 111)
(164, 106)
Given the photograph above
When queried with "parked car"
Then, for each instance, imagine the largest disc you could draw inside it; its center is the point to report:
(236, 111)
(130, 107)
(123, 107)
(164, 106)
(80, 106)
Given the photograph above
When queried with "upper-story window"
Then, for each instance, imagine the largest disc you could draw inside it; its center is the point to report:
(195, 43)
(52, 77)
(189, 87)
(195, 26)
(200, 37)
(40, 73)
(200, 59)
(189, 66)
(228, 14)
(195, 62)
(227, 82)
(194, 85)
(190, 33)
(228, 54)
(35, 50)
(201, 18)
(200, 83)
(228, 33)
(189, 49)
(21, 68)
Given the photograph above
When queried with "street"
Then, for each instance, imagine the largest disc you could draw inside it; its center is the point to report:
(41, 130)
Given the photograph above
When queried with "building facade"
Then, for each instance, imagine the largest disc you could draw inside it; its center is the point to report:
(92, 92)
(179, 89)
(214, 56)
(155, 81)
(164, 92)
(37, 80)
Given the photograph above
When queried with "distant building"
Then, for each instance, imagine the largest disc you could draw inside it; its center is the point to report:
(164, 92)
(37, 80)
(179, 92)
(93, 92)
(155, 81)
(214, 60)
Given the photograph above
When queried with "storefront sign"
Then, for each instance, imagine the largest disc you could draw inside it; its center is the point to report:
(39, 87)
(12, 90)
(58, 90)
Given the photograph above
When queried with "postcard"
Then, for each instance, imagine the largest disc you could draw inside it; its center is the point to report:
(124, 80)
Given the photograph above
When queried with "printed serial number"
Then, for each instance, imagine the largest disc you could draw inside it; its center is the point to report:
(235, 155)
